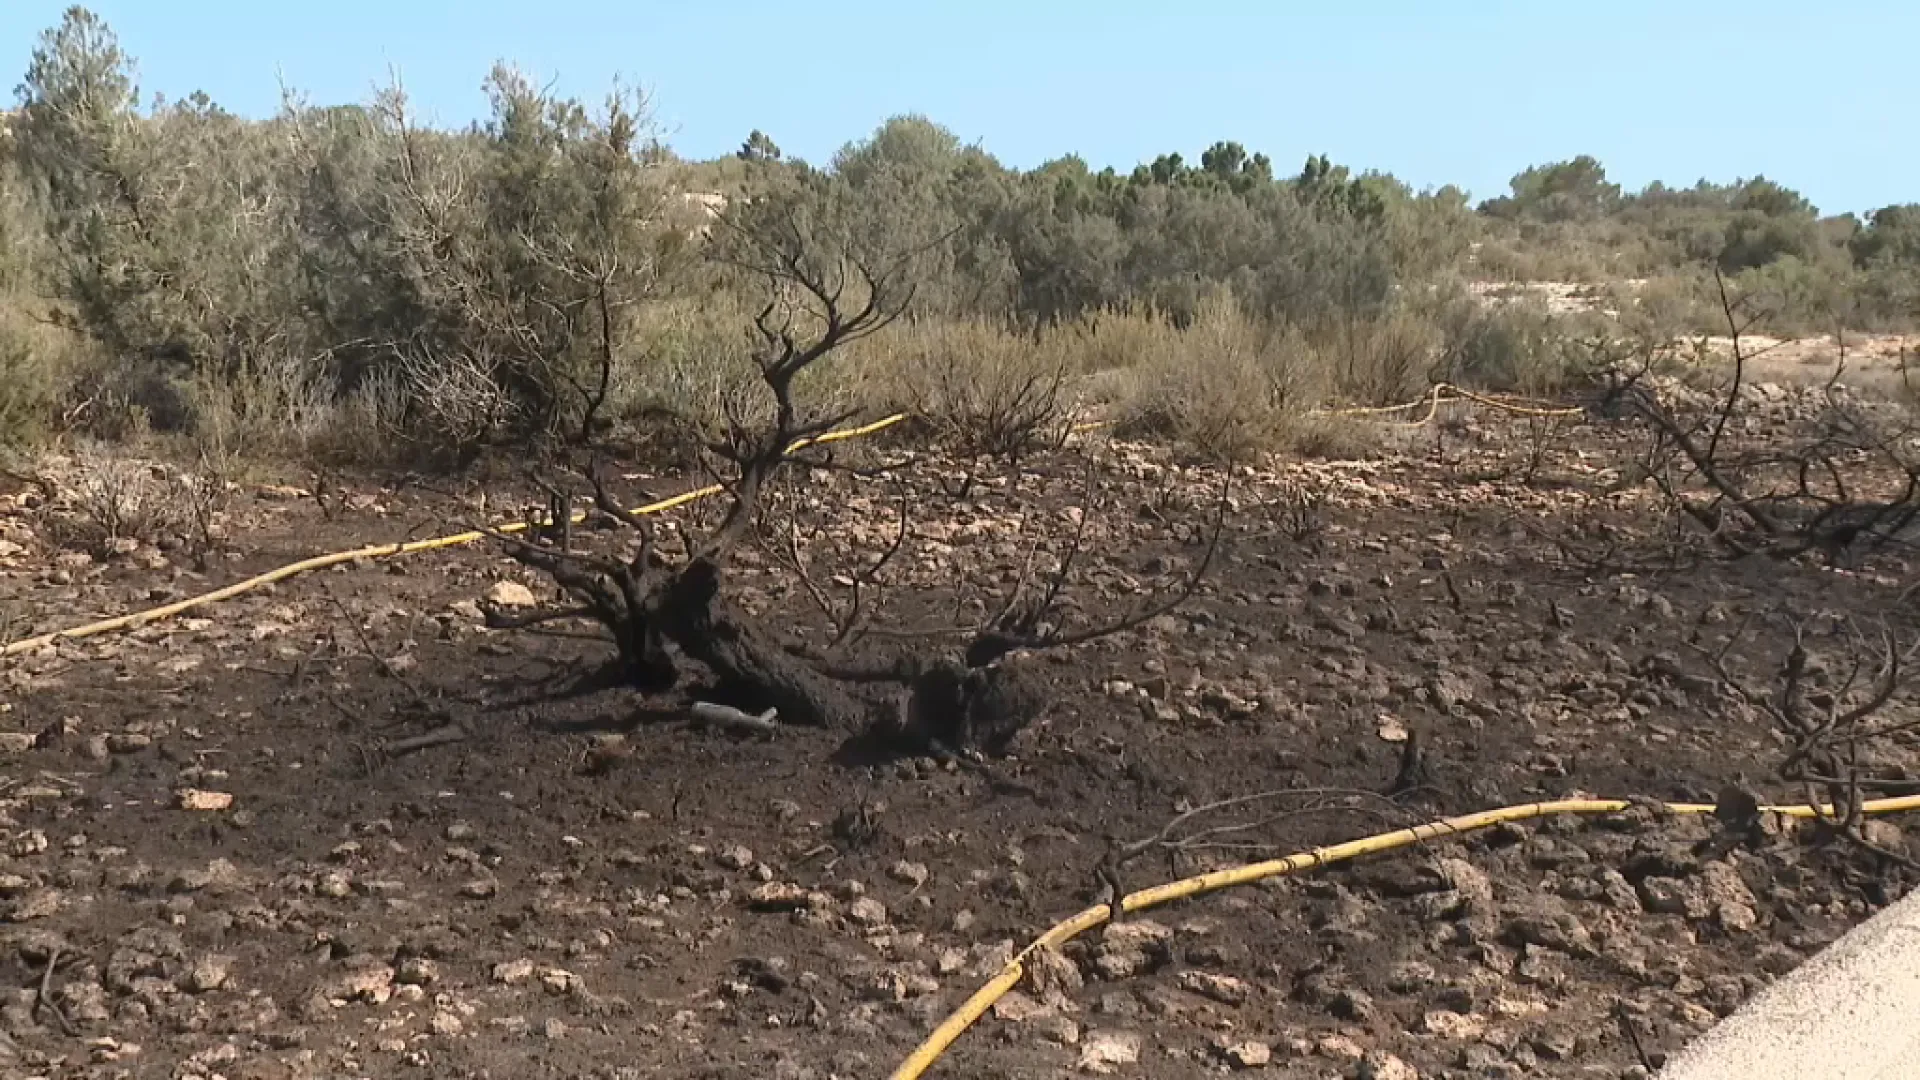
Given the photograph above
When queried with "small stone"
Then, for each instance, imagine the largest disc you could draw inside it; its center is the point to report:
(778, 896)
(1224, 989)
(559, 981)
(911, 873)
(373, 982)
(1057, 1029)
(38, 904)
(1247, 1055)
(867, 912)
(1541, 967)
(208, 972)
(1353, 1005)
(1517, 1007)
(1723, 886)
(1674, 896)
(418, 971)
(1055, 978)
(1448, 1024)
(1738, 918)
(554, 1028)
(86, 1003)
(1392, 731)
(1618, 890)
(1129, 948)
(895, 985)
(1547, 923)
(1882, 833)
(1448, 693)
(1339, 1047)
(198, 800)
(509, 972)
(30, 842)
(460, 832)
(15, 742)
(1472, 884)
(511, 594)
(1103, 1052)
(1135, 934)
(480, 888)
(1557, 1044)
(445, 1023)
(736, 857)
(1411, 977)
(218, 875)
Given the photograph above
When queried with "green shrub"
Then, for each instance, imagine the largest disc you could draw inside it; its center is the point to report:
(1516, 347)
(985, 388)
(1225, 385)
(38, 367)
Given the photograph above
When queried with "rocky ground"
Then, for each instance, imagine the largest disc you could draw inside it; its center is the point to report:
(222, 857)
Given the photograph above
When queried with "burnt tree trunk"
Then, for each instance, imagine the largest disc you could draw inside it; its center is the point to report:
(644, 652)
(747, 663)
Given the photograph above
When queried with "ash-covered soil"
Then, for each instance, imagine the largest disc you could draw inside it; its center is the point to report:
(585, 885)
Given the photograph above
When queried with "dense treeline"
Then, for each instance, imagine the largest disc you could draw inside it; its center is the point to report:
(339, 279)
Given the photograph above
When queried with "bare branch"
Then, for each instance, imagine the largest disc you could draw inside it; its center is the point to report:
(1023, 629)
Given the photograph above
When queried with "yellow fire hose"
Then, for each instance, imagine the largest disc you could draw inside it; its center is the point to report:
(983, 999)
(377, 551)
(1445, 392)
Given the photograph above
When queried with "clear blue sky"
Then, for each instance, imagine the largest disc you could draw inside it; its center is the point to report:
(1821, 97)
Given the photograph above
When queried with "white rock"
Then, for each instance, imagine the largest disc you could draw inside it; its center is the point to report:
(512, 971)
(195, 799)
(1448, 1024)
(1248, 1055)
(1103, 1052)
(1224, 989)
(868, 912)
(208, 972)
(511, 594)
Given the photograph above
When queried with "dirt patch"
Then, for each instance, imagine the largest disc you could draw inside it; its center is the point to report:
(584, 884)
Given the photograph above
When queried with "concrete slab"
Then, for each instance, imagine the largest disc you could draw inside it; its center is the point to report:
(1852, 1012)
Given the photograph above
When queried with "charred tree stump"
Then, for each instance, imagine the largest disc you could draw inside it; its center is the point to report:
(971, 708)
(747, 663)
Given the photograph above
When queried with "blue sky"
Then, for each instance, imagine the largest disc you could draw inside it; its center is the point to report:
(1818, 97)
